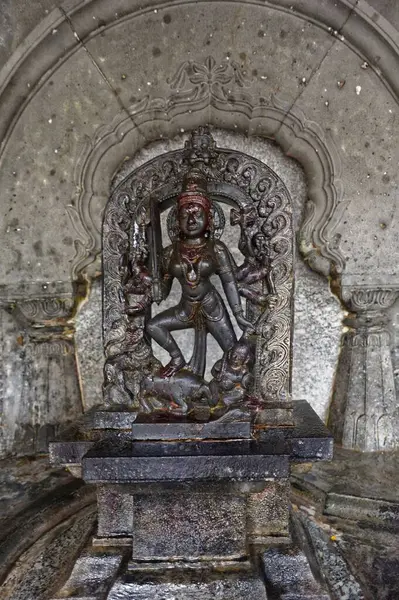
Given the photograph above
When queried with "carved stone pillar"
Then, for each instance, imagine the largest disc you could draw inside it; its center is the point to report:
(49, 393)
(364, 412)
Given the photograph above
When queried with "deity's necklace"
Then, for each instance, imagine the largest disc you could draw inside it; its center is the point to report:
(190, 257)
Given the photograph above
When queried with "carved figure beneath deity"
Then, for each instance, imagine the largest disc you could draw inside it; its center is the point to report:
(232, 375)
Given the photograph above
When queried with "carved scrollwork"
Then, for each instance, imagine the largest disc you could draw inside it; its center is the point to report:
(40, 310)
(53, 348)
(369, 298)
(262, 210)
(207, 79)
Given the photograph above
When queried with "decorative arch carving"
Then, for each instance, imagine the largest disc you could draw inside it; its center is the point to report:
(250, 188)
(166, 117)
(41, 54)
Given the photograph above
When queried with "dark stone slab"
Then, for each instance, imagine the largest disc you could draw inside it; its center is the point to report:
(182, 568)
(276, 414)
(183, 468)
(386, 514)
(288, 576)
(188, 526)
(93, 574)
(309, 439)
(115, 512)
(68, 453)
(122, 460)
(187, 430)
(360, 487)
(268, 511)
(118, 418)
(328, 561)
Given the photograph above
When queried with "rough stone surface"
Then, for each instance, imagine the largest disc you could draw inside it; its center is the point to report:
(317, 332)
(42, 568)
(174, 431)
(92, 575)
(309, 439)
(189, 526)
(226, 587)
(116, 419)
(346, 515)
(268, 511)
(115, 512)
(139, 461)
(288, 576)
(331, 563)
(354, 474)
(89, 346)
(26, 480)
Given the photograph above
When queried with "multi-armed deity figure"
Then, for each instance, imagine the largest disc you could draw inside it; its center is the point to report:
(145, 272)
(192, 260)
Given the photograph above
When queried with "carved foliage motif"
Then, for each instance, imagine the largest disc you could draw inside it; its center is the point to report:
(46, 309)
(194, 88)
(195, 80)
(366, 299)
(248, 185)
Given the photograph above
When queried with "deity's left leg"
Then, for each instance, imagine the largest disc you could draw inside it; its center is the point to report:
(222, 330)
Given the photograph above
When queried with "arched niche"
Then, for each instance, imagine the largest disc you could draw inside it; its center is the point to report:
(261, 206)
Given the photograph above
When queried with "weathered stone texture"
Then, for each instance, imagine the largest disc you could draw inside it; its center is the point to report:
(287, 56)
(186, 526)
(268, 510)
(115, 512)
(44, 565)
(332, 110)
(233, 587)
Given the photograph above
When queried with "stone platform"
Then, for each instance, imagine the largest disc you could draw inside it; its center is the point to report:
(202, 499)
(307, 440)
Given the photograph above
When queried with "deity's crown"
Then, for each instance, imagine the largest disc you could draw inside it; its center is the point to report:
(194, 190)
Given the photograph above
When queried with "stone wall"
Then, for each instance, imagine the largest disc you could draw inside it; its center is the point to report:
(87, 85)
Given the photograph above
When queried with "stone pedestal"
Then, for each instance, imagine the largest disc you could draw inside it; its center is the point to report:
(191, 505)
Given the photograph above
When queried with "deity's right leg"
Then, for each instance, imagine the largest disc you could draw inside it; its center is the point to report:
(159, 328)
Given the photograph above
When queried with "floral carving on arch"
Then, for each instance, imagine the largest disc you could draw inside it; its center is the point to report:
(216, 95)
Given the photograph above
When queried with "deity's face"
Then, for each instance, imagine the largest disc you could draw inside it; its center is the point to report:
(193, 220)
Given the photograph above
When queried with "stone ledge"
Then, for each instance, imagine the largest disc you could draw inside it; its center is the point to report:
(183, 468)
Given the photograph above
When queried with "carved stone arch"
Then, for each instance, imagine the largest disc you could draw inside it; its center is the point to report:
(238, 180)
(299, 138)
(41, 54)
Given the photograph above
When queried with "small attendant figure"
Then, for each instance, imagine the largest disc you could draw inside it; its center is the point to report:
(232, 375)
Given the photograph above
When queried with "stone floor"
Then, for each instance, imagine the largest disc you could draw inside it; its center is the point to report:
(346, 514)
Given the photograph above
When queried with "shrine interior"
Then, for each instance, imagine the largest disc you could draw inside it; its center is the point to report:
(199, 300)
